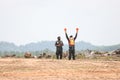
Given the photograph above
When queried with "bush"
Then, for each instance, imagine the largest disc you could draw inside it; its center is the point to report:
(27, 55)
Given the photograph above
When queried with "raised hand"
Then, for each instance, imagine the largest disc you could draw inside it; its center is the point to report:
(77, 30)
(65, 29)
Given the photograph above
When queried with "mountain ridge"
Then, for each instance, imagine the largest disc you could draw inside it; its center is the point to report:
(38, 46)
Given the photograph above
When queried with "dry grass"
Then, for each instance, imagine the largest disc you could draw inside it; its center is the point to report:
(52, 69)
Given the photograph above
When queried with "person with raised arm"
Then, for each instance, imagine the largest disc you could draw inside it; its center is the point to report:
(71, 42)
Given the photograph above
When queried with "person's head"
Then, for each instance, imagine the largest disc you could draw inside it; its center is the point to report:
(71, 36)
(58, 38)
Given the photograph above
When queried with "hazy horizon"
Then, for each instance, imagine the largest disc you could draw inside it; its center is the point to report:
(54, 41)
(26, 21)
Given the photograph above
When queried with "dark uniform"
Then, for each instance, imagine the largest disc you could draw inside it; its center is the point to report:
(59, 49)
(71, 42)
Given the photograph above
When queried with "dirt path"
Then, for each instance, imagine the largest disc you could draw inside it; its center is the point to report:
(49, 69)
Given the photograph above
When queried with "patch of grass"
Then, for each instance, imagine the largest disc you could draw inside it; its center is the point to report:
(80, 56)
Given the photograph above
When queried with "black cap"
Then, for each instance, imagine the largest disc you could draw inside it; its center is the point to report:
(71, 36)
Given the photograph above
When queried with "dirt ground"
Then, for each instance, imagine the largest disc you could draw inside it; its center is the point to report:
(52, 69)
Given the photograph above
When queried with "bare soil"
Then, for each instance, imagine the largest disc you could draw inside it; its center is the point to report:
(52, 69)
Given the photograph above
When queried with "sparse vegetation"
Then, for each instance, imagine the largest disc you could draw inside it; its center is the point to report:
(47, 54)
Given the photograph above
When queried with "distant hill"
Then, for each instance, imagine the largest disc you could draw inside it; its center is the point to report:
(5, 46)
(85, 45)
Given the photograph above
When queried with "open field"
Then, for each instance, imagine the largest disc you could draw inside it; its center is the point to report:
(52, 69)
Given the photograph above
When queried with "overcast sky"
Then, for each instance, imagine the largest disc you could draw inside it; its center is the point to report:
(26, 21)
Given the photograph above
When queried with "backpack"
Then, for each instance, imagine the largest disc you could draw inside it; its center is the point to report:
(71, 42)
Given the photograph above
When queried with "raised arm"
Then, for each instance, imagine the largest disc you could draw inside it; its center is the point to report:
(75, 36)
(66, 33)
(76, 33)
